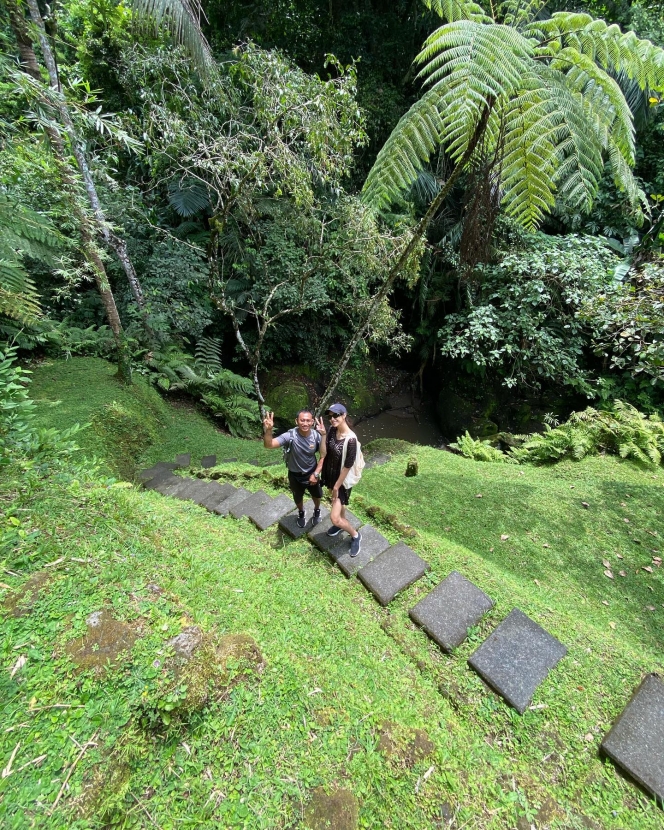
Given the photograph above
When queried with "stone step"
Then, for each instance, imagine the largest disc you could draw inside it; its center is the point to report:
(183, 460)
(218, 494)
(392, 572)
(447, 612)
(150, 472)
(269, 513)
(208, 461)
(194, 489)
(208, 490)
(373, 544)
(516, 658)
(252, 501)
(161, 479)
(636, 739)
(224, 507)
(173, 488)
(288, 523)
(324, 542)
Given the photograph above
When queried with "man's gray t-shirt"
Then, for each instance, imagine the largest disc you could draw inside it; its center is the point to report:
(302, 455)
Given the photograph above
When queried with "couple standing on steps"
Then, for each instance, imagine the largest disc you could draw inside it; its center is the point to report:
(337, 455)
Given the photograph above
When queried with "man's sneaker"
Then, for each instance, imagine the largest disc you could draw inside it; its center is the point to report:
(334, 531)
(316, 520)
(301, 519)
(355, 545)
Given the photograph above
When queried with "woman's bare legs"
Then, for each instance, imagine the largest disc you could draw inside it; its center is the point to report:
(338, 517)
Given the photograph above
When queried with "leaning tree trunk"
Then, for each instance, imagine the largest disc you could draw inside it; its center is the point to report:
(116, 243)
(400, 264)
(31, 67)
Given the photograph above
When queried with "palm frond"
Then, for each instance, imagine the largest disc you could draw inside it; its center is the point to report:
(182, 19)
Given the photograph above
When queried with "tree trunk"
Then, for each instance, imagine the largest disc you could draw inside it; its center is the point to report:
(116, 243)
(31, 66)
(399, 265)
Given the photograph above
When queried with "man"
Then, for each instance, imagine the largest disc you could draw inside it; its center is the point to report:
(301, 445)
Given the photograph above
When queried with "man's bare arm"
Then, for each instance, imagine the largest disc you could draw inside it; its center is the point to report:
(269, 442)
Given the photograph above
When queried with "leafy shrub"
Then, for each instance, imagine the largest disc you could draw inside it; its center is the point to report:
(16, 408)
(480, 450)
(624, 431)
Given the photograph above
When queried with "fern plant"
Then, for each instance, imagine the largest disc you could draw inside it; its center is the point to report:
(227, 395)
(23, 233)
(480, 450)
(624, 431)
(542, 92)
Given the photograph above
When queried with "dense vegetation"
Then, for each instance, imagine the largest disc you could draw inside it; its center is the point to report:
(210, 209)
(307, 686)
(170, 194)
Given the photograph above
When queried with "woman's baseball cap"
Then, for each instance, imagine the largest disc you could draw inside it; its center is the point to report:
(337, 409)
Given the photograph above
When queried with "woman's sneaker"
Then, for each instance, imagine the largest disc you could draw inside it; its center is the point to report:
(301, 519)
(334, 531)
(316, 520)
(355, 545)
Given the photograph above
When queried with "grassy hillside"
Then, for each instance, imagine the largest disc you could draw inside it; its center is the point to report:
(331, 691)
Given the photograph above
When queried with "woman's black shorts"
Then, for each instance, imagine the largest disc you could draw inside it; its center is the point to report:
(299, 483)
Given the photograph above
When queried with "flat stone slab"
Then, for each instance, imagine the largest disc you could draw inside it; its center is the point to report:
(193, 491)
(160, 479)
(252, 501)
(516, 658)
(318, 535)
(228, 460)
(183, 460)
(454, 606)
(377, 460)
(209, 490)
(173, 488)
(224, 507)
(373, 544)
(636, 740)
(267, 514)
(288, 523)
(392, 571)
(150, 472)
(217, 495)
(208, 461)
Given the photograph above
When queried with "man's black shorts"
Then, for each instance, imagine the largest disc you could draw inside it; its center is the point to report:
(299, 482)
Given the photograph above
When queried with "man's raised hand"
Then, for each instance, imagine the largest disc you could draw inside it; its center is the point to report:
(320, 426)
(268, 421)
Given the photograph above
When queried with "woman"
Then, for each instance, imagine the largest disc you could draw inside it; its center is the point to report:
(335, 470)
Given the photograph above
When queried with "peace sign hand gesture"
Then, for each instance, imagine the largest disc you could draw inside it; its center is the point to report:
(268, 421)
(320, 426)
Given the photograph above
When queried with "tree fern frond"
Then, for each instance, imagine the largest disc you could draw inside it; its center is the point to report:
(517, 12)
(623, 177)
(19, 299)
(453, 10)
(208, 355)
(607, 45)
(182, 19)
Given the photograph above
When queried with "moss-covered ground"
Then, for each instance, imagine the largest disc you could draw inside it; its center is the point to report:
(347, 699)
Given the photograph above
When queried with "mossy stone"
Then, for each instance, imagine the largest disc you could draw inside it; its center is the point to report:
(287, 399)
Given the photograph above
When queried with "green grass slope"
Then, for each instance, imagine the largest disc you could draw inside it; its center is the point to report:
(342, 686)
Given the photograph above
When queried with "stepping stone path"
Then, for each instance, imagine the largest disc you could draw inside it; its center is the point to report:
(516, 658)
(392, 571)
(288, 523)
(636, 739)
(454, 606)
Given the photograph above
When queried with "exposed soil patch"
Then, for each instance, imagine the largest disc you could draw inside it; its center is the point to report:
(105, 640)
(21, 602)
(408, 746)
(337, 810)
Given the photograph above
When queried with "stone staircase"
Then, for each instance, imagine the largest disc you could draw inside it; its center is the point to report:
(514, 659)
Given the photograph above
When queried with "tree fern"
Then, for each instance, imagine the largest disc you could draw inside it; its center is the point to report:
(22, 233)
(556, 114)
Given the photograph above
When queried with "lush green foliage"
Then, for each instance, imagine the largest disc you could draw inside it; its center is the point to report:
(623, 431)
(479, 450)
(544, 87)
(521, 315)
